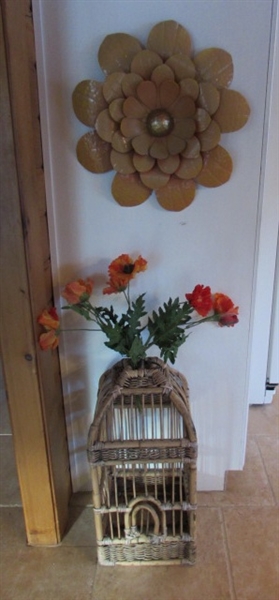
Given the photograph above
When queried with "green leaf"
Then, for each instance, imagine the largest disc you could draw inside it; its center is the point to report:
(137, 351)
(167, 327)
(124, 333)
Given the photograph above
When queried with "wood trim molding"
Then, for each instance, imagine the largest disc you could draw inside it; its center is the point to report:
(32, 378)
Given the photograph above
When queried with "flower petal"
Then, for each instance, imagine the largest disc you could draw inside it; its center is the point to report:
(132, 107)
(116, 109)
(128, 190)
(170, 164)
(155, 178)
(117, 51)
(189, 167)
(112, 88)
(120, 143)
(210, 137)
(209, 97)
(175, 144)
(147, 94)
(142, 143)
(78, 291)
(169, 37)
(105, 126)
(168, 93)
(192, 149)
(143, 163)
(93, 153)
(233, 112)
(88, 101)
(145, 62)
(184, 128)
(223, 304)
(130, 83)
(217, 168)
(132, 127)
(214, 65)
(182, 66)
(49, 340)
(183, 107)
(201, 299)
(177, 194)
(162, 73)
(202, 119)
(49, 318)
(189, 87)
(122, 163)
(159, 149)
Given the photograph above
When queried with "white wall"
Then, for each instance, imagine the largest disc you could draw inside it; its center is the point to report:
(212, 242)
(264, 363)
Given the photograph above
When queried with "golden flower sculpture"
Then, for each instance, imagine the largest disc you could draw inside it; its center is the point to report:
(158, 117)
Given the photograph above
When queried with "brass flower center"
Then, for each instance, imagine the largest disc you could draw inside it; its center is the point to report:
(159, 122)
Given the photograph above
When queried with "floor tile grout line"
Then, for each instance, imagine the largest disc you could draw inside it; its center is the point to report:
(11, 506)
(261, 435)
(228, 556)
(238, 505)
(267, 475)
(91, 597)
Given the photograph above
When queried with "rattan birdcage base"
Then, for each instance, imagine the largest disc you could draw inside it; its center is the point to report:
(142, 449)
(164, 553)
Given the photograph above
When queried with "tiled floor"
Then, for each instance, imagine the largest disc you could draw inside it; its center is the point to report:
(238, 538)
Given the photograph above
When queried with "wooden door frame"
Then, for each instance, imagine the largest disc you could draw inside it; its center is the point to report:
(32, 378)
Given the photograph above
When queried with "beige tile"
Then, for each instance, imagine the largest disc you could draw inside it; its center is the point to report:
(264, 419)
(9, 567)
(48, 573)
(269, 448)
(12, 526)
(9, 488)
(253, 541)
(80, 530)
(249, 486)
(208, 579)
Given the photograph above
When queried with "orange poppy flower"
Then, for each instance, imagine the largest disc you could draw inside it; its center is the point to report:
(201, 299)
(121, 271)
(49, 319)
(49, 340)
(77, 291)
(224, 306)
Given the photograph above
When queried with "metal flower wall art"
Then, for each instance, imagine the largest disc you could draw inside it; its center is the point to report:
(158, 116)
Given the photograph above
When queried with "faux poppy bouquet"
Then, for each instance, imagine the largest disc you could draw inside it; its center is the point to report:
(133, 332)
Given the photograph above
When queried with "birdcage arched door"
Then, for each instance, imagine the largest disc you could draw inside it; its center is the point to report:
(145, 518)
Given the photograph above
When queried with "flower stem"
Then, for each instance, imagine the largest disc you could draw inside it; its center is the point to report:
(80, 329)
(127, 295)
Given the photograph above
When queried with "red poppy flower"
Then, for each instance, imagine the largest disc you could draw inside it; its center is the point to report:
(77, 291)
(201, 299)
(49, 319)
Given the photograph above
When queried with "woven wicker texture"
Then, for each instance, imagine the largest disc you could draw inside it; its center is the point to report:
(142, 448)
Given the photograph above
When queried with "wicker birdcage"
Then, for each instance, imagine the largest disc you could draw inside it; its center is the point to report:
(142, 448)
